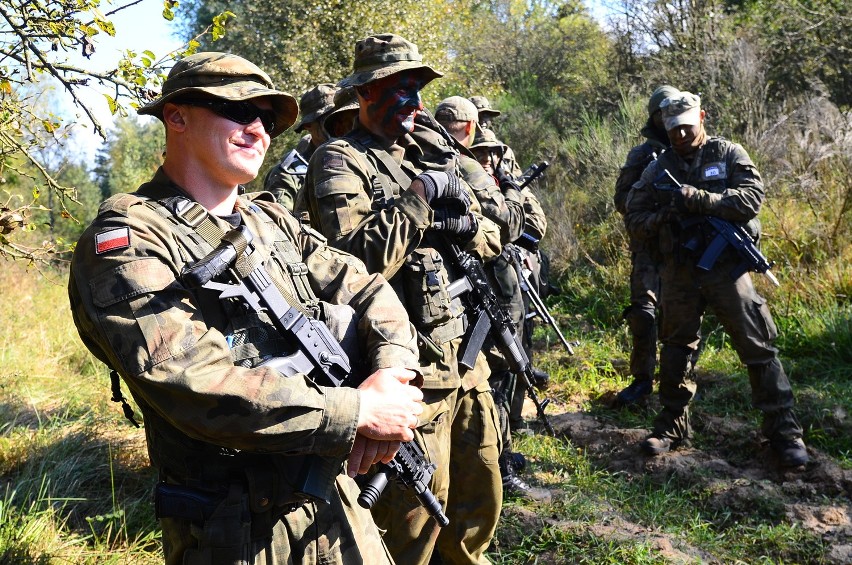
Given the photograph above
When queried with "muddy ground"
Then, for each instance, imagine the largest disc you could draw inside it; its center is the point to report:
(737, 471)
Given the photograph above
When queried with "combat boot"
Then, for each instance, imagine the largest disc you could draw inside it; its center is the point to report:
(640, 388)
(513, 485)
(790, 452)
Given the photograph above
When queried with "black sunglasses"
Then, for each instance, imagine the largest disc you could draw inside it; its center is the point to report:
(241, 112)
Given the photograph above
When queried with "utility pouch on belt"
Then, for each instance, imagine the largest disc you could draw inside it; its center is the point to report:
(425, 284)
(175, 501)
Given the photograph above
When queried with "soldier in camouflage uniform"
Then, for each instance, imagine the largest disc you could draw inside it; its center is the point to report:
(641, 315)
(389, 192)
(504, 206)
(488, 150)
(228, 435)
(716, 178)
(286, 178)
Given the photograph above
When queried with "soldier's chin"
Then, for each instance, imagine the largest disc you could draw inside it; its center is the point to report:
(407, 123)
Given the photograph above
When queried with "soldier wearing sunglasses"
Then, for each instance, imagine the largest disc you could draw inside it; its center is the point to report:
(229, 435)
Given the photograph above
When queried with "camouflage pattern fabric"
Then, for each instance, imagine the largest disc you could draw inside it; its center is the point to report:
(285, 185)
(208, 420)
(357, 198)
(730, 187)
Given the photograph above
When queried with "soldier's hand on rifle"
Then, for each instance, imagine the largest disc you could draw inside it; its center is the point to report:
(388, 413)
(686, 198)
(664, 215)
(461, 228)
(505, 180)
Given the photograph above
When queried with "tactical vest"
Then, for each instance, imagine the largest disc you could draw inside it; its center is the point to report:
(424, 278)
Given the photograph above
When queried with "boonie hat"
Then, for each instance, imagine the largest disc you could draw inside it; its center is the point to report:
(483, 106)
(660, 94)
(315, 103)
(681, 109)
(382, 55)
(345, 100)
(486, 138)
(225, 76)
(456, 109)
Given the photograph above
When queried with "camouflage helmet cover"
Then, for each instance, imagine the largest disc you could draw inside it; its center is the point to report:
(385, 54)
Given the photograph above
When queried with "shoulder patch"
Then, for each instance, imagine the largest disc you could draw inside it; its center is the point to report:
(112, 239)
(332, 161)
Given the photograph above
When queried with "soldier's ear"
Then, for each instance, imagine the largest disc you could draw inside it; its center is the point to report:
(173, 117)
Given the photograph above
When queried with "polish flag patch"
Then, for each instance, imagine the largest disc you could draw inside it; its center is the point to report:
(116, 238)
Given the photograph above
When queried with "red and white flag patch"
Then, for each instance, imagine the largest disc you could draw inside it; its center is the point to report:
(116, 238)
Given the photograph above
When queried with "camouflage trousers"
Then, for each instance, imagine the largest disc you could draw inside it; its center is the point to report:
(337, 533)
(642, 315)
(686, 293)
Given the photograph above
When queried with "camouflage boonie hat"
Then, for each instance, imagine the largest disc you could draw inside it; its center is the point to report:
(456, 109)
(345, 100)
(315, 103)
(225, 76)
(682, 109)
(382, 55)
(660, 94)
(483, 106)
(485, 138)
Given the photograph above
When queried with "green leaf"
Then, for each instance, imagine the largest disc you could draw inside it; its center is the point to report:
(106, 26)
(112, 105)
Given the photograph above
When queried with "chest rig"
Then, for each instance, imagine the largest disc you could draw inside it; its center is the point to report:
(422, 283)
(250, 336)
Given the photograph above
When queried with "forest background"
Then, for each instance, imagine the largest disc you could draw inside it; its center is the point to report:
(572, 87)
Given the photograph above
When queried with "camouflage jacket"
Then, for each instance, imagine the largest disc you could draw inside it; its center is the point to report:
(285, 185)
(729, 186)
(356, 195)
(190, 359)
(505, 210)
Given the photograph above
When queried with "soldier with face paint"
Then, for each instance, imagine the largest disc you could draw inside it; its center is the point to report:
(712, 177)
(389, 192)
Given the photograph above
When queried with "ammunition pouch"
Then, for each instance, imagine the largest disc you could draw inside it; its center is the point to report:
(425, 282)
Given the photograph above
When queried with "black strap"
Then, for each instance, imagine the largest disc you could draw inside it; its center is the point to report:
(115, 382)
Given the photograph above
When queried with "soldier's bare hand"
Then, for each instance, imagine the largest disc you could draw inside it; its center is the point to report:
(366, 452)
(389, 407)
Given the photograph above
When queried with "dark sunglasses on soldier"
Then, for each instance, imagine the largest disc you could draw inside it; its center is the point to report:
(241, 112)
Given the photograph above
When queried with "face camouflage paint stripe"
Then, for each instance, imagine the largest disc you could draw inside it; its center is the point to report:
(399, 97)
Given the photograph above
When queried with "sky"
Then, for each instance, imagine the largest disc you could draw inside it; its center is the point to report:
(138, 28)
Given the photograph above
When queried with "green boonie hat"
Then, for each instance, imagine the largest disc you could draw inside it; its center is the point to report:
(345, 100)
(682, 109)
(315, 103)
(660, 94)
(483, 106)
(225, 76)
(382, 55)
(456, 109)
(486, 138)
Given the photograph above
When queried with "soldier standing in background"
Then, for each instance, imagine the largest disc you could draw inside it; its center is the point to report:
(641, 315)
(229, 435)
(286, 178)
(712, 177)
(389, 192)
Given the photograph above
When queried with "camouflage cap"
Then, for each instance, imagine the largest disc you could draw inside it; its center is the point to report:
(456, 109)
(315, 103)
(681, 109)
(483, 106)
(382, 55)
(486, 138)
(660, 94)
(225, 76)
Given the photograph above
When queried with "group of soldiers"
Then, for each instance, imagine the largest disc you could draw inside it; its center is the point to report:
(361, 231)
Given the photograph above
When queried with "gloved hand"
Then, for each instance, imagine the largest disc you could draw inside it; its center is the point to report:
(686, 198)
(439, 185)
(505, 180)
(461, 228)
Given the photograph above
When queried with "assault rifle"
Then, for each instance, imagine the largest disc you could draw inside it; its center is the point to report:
(489, 318)
(318, 355)
(516, 257)
(530, 238)
(751, 259)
